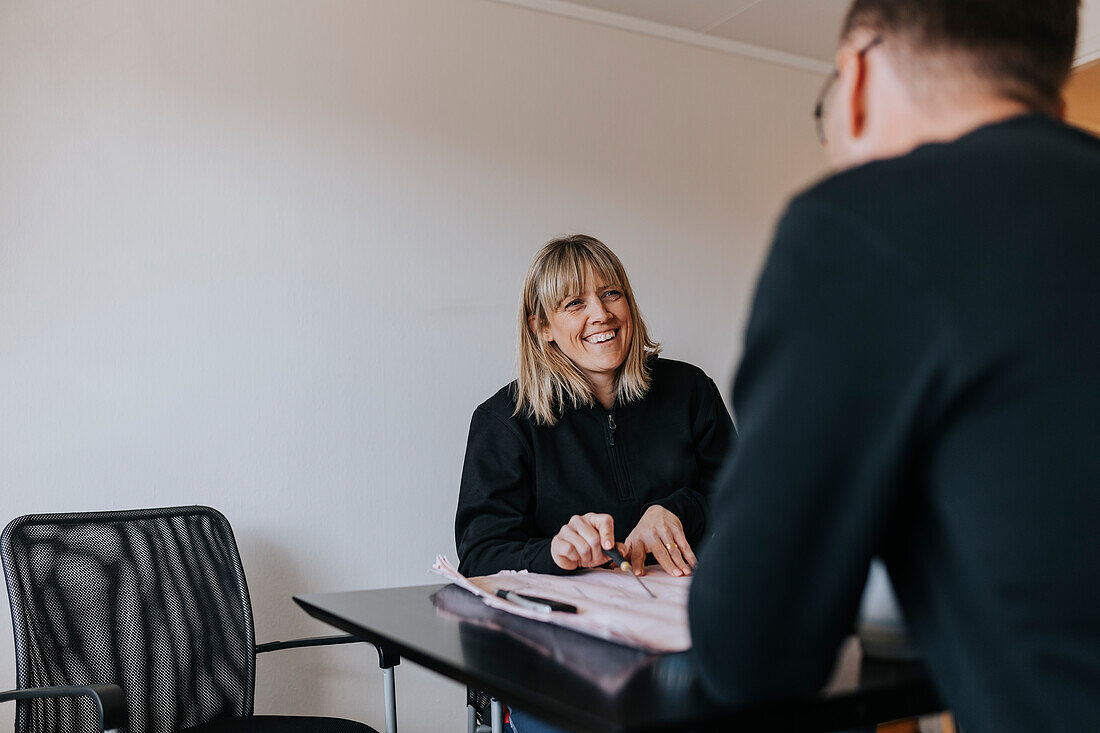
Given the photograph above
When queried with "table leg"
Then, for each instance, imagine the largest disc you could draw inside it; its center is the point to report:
(497, 715)
(391, 699)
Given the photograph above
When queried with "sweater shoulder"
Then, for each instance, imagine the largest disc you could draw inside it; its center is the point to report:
(949, 179)
(502, 404)
(675, 381)
(673, 373)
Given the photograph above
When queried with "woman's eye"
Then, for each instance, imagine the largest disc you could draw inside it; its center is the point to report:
(574, 303)
(612, 294)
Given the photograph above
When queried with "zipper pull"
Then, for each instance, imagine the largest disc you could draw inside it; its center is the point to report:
(611, 424)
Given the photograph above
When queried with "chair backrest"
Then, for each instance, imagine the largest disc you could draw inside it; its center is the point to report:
(153, 600)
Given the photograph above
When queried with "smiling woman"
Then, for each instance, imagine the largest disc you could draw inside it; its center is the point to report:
(598, 442)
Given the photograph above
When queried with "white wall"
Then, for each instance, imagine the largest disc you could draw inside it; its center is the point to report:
(266, 256)
(1088, 36)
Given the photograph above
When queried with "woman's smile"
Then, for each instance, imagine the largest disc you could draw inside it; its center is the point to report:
(602, 337)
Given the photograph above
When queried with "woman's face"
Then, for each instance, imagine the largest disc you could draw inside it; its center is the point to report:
(593, 328)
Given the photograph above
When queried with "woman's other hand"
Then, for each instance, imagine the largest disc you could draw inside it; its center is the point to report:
(580, 543)
(660, 533)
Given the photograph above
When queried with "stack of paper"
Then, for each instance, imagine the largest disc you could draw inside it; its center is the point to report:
(610, 603)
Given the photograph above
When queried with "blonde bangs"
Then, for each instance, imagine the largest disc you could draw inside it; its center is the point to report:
(548, 381)
(563, 274)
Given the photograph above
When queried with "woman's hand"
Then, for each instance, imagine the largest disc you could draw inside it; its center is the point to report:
(660, 533)
(581, 542)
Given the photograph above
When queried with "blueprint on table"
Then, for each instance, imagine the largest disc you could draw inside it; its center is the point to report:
(606, 664)
(610, 603)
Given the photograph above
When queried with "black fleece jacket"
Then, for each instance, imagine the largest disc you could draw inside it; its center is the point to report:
(522, 481)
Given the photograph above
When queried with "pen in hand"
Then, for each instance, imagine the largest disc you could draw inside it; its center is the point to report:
(621, 562)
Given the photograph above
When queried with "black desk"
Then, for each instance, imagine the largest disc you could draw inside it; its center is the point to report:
(584, 683)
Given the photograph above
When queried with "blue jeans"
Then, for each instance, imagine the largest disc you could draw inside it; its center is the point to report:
(521, 722)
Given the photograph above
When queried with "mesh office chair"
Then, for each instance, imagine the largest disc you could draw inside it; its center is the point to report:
(484, 713)
(139, 620)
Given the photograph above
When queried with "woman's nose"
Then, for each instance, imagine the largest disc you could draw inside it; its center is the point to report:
(599, 313)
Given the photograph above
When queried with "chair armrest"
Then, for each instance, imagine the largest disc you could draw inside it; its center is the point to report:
(109, 701)
(385, 659)
(275, 646)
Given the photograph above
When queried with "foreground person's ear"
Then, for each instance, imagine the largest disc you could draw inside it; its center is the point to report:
(855, 91)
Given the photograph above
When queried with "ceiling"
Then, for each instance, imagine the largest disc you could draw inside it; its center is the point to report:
(802, 27)
(800, 33)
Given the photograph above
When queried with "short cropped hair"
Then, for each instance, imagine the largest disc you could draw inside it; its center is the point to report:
(1023, 48)
(548, 381)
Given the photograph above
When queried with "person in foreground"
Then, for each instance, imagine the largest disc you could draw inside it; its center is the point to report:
(920, 380)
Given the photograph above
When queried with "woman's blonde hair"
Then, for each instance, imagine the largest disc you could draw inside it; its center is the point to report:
(548, 379)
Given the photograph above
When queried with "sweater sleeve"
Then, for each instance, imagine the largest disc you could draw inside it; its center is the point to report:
(494, 524)
(840, 356)
(714, 436)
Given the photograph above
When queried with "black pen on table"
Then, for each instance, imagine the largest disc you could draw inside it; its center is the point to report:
(535, 603)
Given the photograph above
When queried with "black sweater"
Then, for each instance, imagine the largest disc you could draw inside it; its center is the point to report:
(521, 481)
(921, 380)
